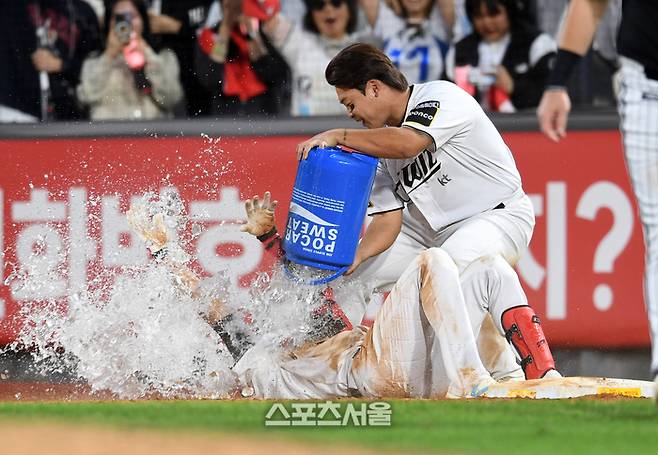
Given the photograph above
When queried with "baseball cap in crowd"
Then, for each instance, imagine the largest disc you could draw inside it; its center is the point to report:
(260, 9)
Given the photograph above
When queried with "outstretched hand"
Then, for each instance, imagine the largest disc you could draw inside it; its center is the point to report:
(152, 230)
(553, 112)
(260, 215)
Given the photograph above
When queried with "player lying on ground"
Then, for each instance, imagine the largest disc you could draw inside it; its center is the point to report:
(421, 343)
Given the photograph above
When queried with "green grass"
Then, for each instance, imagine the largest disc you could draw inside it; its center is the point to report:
(598, 427)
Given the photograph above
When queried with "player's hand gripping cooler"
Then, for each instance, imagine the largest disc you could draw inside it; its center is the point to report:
(329, 201)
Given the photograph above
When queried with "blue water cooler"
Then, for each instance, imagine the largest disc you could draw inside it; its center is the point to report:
(329, 202)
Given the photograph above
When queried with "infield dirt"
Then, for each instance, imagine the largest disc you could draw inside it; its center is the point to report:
(30, 438)
(60, 439)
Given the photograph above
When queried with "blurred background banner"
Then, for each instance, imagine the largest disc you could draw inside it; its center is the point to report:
(583, 271)
(62, 205)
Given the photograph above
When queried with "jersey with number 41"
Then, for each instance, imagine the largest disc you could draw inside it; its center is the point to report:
(467, 169)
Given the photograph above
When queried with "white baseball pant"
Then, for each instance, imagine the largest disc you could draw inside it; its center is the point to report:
(638, 110)
(504, 232)
(421, 344)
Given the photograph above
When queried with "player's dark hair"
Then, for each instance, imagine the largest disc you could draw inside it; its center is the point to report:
(310, 26)
(355, 65)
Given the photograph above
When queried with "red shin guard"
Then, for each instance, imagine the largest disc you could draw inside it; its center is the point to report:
(523, 330)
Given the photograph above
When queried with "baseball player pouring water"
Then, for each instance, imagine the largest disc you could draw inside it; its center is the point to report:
(445, 179)
(637, 85)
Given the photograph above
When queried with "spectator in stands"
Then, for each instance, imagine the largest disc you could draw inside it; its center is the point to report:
(236, 62)
(416, 34)
(506, 61)
(328, 27)
(176, 23)
(129, 80)
(42, 46)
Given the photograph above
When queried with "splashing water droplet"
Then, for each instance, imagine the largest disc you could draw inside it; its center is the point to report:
(140, 330)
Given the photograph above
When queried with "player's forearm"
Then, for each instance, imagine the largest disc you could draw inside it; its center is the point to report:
(371, 9)
(391, 142)
(582, 19)
(380, 234)
(576, 35)
(272, 243)
(447, 9)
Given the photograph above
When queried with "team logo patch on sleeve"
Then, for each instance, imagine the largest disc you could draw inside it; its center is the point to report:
(423, 113)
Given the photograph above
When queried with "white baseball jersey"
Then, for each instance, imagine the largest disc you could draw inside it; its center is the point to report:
(418, 50)
(467, 170)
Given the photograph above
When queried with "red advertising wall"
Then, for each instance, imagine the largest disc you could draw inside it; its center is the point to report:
(582, 273)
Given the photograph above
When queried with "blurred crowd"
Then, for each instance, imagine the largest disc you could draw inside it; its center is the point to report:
(140, 59)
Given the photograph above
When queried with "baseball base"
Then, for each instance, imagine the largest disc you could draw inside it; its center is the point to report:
(572, 387)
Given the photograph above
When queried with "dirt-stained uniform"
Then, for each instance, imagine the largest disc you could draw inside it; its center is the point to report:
(420, 345)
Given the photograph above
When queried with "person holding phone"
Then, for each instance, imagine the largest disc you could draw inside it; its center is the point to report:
(129, 80)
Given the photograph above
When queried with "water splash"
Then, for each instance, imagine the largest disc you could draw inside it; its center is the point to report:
(147, 337)
(282, 313)
(142, 331)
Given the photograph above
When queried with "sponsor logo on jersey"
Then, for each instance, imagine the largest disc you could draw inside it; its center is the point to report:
(420, 170)
(423, 113)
